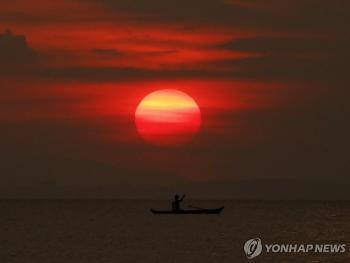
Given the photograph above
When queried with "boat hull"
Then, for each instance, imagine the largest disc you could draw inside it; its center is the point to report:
(193, 211)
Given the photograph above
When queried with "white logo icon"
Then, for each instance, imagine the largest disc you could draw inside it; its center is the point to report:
(253, 248)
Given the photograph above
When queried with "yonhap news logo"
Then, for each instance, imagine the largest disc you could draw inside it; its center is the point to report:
(254, 247)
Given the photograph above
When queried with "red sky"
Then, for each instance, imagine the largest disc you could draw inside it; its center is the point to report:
(270, 79)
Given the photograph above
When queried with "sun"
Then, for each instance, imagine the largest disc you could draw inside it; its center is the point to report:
(168, 117)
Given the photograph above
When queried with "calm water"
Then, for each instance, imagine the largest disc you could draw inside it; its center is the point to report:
(125, 231)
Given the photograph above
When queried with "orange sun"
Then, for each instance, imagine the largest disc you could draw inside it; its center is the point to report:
(168, 117)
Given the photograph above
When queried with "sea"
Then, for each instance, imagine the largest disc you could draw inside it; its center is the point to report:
(122, 231)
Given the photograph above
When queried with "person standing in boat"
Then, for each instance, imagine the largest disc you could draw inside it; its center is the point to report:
(176, 203)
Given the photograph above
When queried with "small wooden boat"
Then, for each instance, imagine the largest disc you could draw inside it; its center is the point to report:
(192, 211)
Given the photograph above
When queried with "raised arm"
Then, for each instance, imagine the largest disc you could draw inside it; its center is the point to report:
(182, 198)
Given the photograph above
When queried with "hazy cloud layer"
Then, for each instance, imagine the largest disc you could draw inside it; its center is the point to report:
(278, 58)
(292, 133)
(318, 15)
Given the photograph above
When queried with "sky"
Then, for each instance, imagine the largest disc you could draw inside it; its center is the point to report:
(271, 79)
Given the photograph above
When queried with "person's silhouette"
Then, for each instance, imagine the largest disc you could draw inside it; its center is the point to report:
(176, 202)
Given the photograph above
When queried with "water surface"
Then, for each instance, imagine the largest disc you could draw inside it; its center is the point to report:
(126, 231)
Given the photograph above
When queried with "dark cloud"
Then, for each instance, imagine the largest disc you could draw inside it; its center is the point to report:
(322, 15)
(116, 53)
(311, 15)
(19, 59)
(306, 46)
(161, 52)
(15, 54)
(106, 52)
(273, 58)
(170, 10)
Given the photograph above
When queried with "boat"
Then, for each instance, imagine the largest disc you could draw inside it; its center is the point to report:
(192, 211)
